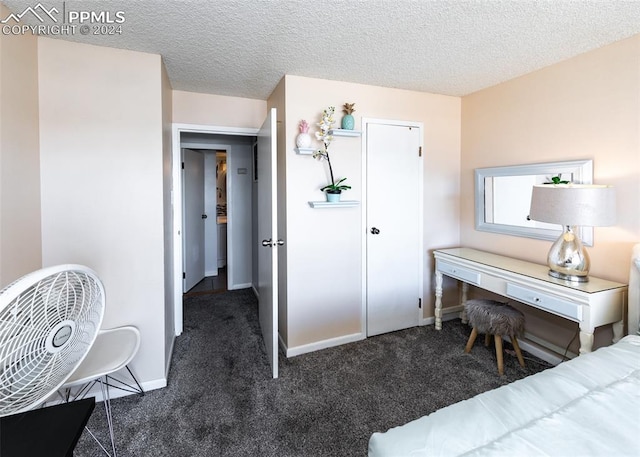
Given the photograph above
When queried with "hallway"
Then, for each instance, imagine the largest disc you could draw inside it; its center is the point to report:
(210, 284)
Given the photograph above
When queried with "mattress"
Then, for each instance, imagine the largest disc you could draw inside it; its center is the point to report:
(587, 406)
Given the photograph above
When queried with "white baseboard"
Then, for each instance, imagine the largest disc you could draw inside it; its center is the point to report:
(148, 386)
(211, 273)
(324, 344)
(448, 314)
(255, 291)
(426, 321)
(452, 312)
(543, 349)
(167, 362)
(530, 343)
(246, 285)
(539, 352)
(535, 346)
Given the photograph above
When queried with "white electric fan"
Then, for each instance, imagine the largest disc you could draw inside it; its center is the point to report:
(48, 321)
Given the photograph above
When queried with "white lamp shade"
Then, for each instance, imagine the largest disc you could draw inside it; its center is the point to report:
(574, 204)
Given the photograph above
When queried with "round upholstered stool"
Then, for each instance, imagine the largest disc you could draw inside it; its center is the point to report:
(498, 319)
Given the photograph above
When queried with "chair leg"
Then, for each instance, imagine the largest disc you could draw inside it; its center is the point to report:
(104, 387)
(516, 347)
(118, 383)
(141, 392)
(498, 341)
(471, 340)
(487, 339)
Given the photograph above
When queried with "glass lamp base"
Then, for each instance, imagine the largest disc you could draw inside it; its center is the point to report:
(567, 258)
(568, 277)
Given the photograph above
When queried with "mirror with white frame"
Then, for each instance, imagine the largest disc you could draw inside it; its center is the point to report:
(503, 197)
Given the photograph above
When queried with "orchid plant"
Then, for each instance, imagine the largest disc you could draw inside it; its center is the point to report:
(324, 135)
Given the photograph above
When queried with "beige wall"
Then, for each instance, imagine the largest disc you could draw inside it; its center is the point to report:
(587, 107)
(324, 302)
(20, 235)
(167, 187)
(101, 139)
(218, 110)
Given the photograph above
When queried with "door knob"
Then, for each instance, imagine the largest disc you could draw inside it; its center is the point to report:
(204, 216)
(374, 231)
(267, 243)
(280, 242)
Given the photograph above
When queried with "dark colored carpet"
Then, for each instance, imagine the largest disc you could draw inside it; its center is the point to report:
(221, 400)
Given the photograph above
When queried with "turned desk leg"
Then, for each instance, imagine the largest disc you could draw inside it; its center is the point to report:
(438, 310)
(586, 341)
(618, 331)
(465, 291)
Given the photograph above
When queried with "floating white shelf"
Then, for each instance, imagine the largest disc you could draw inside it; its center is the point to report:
(304, 151)
(343, 132)
(340, 204)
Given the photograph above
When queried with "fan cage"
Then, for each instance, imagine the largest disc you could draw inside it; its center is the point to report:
(66, 302)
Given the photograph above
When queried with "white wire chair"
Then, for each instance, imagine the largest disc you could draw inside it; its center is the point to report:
(112, 351)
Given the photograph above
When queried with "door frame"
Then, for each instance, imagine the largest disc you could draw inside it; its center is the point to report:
(366, 121)
(176, 202)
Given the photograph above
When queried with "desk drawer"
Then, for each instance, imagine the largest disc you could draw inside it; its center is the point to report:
(547, 302)
(455, 271)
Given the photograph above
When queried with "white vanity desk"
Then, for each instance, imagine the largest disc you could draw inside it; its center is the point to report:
(591, 304)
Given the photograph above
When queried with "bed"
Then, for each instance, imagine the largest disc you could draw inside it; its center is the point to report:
(587, 406)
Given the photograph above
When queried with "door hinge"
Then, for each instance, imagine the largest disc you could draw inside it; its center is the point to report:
(419, 303)
(184, 275)
(420, 151)
(183, 165)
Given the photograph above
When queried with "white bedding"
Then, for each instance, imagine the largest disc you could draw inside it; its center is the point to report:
(587, 406)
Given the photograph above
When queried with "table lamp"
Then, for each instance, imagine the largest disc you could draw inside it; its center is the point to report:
(572, 205)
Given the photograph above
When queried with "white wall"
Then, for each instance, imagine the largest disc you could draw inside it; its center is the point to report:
(218, 110)
(239, 183)
(104, 178)
(20, 234)
(167, 187)
(324, 272)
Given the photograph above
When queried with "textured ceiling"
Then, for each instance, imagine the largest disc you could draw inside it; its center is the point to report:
(244, 47)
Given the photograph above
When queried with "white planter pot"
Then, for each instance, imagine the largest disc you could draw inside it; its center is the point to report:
(303, 140)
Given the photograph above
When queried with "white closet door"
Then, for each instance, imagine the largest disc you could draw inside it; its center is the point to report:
(394, 228)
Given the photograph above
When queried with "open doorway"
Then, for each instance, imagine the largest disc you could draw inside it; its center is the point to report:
(217, 201)
(205, 266)
(227, 217)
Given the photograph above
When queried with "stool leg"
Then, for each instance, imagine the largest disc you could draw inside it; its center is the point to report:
(498, 341)
(471, 340)
(487, 339)
(516, 347)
